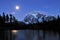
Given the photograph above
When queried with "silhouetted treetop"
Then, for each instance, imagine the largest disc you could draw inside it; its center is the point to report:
(7, 18)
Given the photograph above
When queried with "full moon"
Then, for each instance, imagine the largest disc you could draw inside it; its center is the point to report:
(17, 7)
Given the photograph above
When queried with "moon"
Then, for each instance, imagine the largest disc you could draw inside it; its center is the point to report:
(17, 7)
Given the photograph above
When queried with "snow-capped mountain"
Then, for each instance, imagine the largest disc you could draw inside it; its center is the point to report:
(35, 17)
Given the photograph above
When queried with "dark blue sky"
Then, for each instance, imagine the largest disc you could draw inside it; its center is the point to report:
(50, 7)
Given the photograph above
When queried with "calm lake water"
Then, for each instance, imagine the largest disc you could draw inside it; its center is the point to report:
(35, 35)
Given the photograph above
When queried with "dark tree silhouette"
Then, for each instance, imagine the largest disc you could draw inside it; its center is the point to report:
(14, 19)
(7, 18)
(58, 17)
(3, 17)
(11, 18)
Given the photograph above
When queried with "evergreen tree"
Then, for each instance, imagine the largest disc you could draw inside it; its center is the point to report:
(11, 18)
(1, 20)
(7, 18)
(14, 19)
(3, 17)
(58, 17)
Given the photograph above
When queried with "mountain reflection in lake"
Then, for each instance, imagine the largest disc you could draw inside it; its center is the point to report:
(35, 35)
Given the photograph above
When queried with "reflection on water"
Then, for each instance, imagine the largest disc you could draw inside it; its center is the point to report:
(35, 35)
(14, 31)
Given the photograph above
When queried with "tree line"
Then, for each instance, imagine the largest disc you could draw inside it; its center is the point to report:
(7, 18)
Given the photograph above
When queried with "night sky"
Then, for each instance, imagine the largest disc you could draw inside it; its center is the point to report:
(50, 7)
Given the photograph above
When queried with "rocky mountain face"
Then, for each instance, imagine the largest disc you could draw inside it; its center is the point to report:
(35, 17)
